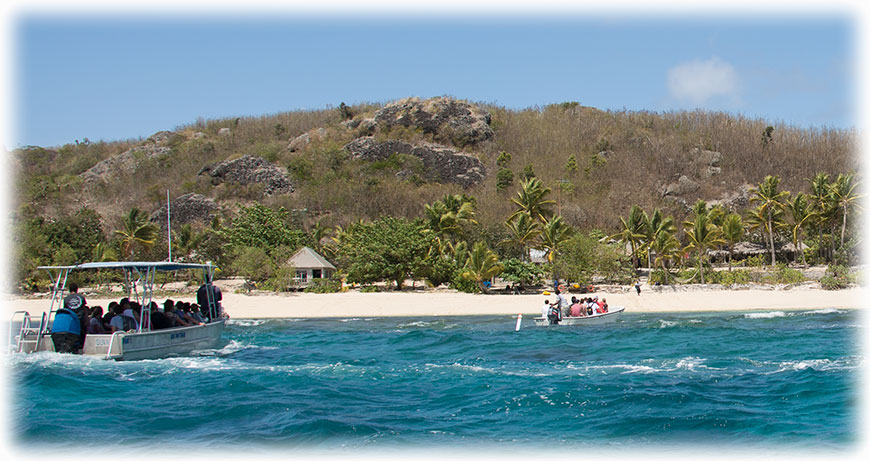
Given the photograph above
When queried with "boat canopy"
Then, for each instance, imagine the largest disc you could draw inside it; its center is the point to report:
(137, 265)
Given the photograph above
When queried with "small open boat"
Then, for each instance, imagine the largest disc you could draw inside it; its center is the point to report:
(142, 343)
(594, 319)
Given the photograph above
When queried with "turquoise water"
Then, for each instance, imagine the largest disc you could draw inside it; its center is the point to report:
(764, 380)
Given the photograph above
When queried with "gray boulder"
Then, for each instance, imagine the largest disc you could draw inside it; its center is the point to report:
(185, 209)
(440, 163)
(124, 163)
(248, 170)
(683, 185)
(447, 119)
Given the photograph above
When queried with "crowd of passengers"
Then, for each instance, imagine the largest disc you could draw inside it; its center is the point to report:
(124, 315)
(584, 307)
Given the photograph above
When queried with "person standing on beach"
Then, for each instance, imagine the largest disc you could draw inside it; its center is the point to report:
(637, 287)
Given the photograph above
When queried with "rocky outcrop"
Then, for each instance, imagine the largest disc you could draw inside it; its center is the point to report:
(736, 200)
(448, 120)
(706, 163)
(124, 163)
(440, 163)
(249, 170)
(304, 139)
(185, 209)
(683, 185)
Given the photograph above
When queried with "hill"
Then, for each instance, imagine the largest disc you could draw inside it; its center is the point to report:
(360, 162)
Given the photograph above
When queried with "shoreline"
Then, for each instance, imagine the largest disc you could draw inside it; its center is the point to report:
(451, 303)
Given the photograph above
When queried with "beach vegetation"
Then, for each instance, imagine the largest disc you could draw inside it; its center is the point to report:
(768, 214)
(532, 200)
(701, 235)
(732, 277)
(732, 233)
(136, 232)
(631, 233)
(523, 231)
(521, 273)
(837, 277)
(323, 286)
(388, 249)
(482, 265)
(584, 256)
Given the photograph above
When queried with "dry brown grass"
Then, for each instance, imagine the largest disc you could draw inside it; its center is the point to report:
(645, 150)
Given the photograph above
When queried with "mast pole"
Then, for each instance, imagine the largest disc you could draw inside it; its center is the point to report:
(168, 227)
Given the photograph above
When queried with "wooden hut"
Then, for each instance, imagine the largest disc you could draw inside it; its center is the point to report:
(309, 265)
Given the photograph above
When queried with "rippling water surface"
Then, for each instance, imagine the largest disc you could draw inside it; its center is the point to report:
(766, 380)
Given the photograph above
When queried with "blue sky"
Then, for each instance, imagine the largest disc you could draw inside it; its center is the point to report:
(125, 75)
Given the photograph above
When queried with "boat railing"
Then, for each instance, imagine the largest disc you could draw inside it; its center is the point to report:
(26, 331)
(112, 343)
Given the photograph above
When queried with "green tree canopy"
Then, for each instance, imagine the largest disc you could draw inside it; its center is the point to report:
(387, 249)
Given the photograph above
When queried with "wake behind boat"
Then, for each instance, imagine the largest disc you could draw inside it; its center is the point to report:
(594, 319)
(141, 343)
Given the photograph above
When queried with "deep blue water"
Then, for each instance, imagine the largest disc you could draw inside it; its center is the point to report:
(766, 380)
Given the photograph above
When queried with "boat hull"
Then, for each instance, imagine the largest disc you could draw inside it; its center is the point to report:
(596, 319)
(150, 344)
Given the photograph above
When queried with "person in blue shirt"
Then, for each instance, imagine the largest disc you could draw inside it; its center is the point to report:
(66, 331)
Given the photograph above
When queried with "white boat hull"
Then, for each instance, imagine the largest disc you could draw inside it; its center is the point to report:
(595, 319)
(146, 345)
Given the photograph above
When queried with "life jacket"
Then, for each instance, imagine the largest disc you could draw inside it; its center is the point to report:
(600, 308)
(66, 321)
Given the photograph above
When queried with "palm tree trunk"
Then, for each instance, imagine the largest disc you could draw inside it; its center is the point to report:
(772, 249)
(843, 230)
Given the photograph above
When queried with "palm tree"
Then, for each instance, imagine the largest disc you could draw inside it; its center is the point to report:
(554, 233)
(732, 232)
(482, 265)
(523, 229)
(823, 208)
(667, 249)
(319, 232)
(632, 232)
(187, 240)
(799, 213)
(770, 202)
(446, 217)
(654, 225)
(702, 236)
(136, 231)
(844, 196)
(532, 200)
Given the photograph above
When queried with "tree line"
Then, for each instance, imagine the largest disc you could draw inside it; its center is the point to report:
(446, 245)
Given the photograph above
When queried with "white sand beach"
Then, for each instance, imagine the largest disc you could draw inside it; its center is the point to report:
(449, 303)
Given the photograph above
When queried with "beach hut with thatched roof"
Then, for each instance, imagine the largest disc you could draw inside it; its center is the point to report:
(309, 265)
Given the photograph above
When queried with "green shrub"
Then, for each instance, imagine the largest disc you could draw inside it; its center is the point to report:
(785, 274)
(734, 277)
(836, 278)
(323, 286)
(464, 285)
(754, 261)
(369, 289)
(504, 179)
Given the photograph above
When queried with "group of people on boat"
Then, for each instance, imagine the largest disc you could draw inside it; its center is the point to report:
(585, 307)
(75, 320)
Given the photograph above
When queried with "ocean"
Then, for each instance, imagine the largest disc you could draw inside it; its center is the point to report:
(767, 381)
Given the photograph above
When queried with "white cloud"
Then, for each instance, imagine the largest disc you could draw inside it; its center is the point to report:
(698, 82)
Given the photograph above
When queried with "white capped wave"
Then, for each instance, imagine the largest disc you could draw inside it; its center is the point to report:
(819, 365)
(666, 323)
(764, 315)
(246, 322)
(830, 310)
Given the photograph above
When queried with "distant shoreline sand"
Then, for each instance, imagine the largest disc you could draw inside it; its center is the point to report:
(450, 303)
